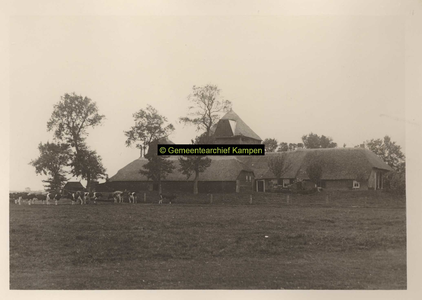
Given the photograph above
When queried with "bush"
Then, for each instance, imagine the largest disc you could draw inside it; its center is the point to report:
(397, 182)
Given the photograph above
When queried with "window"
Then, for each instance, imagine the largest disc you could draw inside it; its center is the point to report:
(356, 185)
(286, 182)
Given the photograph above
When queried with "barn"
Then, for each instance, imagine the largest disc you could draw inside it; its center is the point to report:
(74, 186)
(342, 169)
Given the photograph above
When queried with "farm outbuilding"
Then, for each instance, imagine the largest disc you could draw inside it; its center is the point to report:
(74, 186)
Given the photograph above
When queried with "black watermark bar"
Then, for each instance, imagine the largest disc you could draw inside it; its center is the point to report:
(218, 149)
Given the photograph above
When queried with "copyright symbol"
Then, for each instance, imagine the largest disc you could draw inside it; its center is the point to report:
(163, 150)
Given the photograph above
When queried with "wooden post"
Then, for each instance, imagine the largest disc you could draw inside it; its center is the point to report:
(326, 199)
(288, 199)
(210, 198)
(250, 200)
(145, 197)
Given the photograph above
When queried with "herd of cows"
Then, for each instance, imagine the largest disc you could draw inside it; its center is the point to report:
(79, 197)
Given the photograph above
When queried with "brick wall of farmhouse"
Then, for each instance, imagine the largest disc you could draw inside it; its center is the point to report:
(245, 181)
(180, 186)
(127, 185)
(217, 187)
(338, 184)
(203, 186)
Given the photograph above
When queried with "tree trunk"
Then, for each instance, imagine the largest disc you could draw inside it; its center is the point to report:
(195, 184)
(159, 187)
(88, 182)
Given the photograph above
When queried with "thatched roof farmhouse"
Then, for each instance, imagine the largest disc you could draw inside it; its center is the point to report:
(342, 168)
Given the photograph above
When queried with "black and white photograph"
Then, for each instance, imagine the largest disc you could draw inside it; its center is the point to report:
(300, 113)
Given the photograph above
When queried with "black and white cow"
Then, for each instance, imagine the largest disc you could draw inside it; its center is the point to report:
(132, 197)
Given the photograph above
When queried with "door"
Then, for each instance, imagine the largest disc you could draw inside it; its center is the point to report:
(260, 186)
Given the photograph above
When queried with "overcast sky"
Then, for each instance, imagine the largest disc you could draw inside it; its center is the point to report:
(341, 76)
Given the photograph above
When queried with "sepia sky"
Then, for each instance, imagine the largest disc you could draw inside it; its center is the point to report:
(341, 76)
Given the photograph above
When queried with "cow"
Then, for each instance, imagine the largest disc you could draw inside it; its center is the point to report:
(117, 196)
(132, 197)
(97, 196)
(87, 198)
(76, 197)
(57, 197)
(31, 197)
(170, 197)
(48, 198)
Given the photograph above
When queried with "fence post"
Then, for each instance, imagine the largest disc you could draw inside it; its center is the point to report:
(210, 198)
(288, 199)
(250, 200)
(326, 199)
(145, 197)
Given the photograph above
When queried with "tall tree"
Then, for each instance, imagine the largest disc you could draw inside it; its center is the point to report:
(149, 126)
(88, 165)
(206, 108)
(51, 162)
(195, 164)
(70, 119)
(158, 166)
(314, 141)
(387, 150)
(270, 145)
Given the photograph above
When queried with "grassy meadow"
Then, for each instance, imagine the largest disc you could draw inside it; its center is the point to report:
(349, 240)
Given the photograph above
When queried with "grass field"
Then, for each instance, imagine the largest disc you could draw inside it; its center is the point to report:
(345, 241)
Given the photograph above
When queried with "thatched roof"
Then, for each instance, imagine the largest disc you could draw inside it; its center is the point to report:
(337, 163)
(259, 164)
(222, 168)
(73, 186)
(232, 125)
(343, 163)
